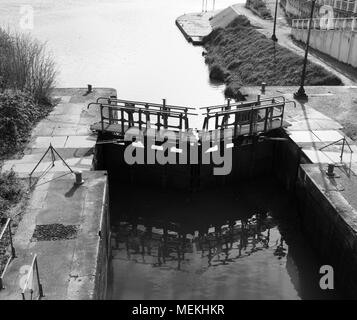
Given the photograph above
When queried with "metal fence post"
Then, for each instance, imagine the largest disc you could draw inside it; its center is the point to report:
(343, 147)
(38, 280)
(13, 253)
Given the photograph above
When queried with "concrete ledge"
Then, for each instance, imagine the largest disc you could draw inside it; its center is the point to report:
(195, 26)
(69, 269)
(328, 209)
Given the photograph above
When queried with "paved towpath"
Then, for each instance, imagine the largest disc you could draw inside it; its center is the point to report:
(66, 128)
(283, 33)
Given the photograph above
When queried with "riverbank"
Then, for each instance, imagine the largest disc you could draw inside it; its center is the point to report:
(260, 8)
(239, 55)
(75, 266)
(27, 74)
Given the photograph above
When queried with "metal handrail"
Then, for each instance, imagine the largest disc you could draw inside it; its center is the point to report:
(144, 104)
(157, 105)
(123, 115)
(251, 118)
(7, 227)
(154, 111)
(350, 6)
(53, 158)
(161, 121)
(349, 24)
(344, 141)
(34, 267)
(242, 104)
(245, 109)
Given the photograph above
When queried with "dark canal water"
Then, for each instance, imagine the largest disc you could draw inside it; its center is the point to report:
(239, 241)
(232, 242)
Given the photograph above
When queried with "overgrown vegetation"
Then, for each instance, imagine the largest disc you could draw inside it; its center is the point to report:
(18, 114)
(240, 55)
(26, 66)
(27, 75)
(11, 191)
(260, 7)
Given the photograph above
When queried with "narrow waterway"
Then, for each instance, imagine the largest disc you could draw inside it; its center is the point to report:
(133, 46)
(240, 241)
(236, 242)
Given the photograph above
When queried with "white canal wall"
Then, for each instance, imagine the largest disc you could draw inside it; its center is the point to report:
(339, 44)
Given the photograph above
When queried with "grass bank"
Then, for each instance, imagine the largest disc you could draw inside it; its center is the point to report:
(259, 7)
(239, 55)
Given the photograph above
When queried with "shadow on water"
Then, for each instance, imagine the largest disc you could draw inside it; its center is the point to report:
(244, 241)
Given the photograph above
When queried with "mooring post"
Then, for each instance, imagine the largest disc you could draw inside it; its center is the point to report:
(164, 112)
(263, 87)
(111, 113)
(13, 253)
(330, 168)
(79, 180)
(343, 149)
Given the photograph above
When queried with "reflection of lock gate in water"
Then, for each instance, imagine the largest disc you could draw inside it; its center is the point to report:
(139, 239)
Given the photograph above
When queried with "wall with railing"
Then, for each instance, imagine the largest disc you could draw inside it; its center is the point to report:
(334, 37)
(349, 8)
(302, 8)
(349, 24)
(298, 8)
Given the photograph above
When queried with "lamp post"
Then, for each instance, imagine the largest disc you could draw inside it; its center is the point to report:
(300, 94)
(273, 37)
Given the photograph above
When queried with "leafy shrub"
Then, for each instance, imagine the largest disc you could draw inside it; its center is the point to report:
(261, 7)
(26, 66)
(11, 190)
(217, 73)
(18, 114)
(249, 58)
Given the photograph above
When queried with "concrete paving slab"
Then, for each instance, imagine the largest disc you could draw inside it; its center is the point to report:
(68, 130)
(317, 156)
(303, 136)
(59, 201)
(63, 99)
(81, 141)
(43, 142)
(328, 135)
(64, 119)
(195, 26)
(68, 109)
(346, 158)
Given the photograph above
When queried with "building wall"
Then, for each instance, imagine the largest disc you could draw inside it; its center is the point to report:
(322, 222)
(302, 8)
(330, 235)
(339, 44)
(101, 277)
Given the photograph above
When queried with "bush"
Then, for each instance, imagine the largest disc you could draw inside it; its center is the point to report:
(261, 8)
(26, 66)
(250, 58)
(11, 191)
(233, 91)
(217, 73)
(18, 114)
